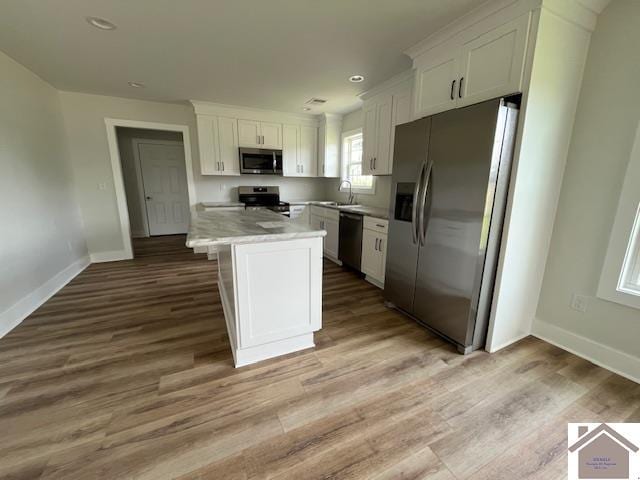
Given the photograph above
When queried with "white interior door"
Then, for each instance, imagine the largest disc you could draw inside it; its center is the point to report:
(165, 187)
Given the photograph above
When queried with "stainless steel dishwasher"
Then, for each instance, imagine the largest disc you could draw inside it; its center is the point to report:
(350, 246)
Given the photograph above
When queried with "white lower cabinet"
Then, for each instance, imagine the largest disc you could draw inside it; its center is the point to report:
(329, 220)
(300, 214)
(374, 249)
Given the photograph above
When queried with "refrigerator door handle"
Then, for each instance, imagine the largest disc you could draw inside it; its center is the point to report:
(416, 204)
(423, 201)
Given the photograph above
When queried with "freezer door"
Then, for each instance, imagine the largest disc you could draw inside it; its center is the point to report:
(409, 161)
(453, 241)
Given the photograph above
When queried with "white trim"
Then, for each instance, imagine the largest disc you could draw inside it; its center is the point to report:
(491, 348)
(112, 256)
(257, 114)
(118, 180)
(401, 77)
(15, 314)
(602, 355)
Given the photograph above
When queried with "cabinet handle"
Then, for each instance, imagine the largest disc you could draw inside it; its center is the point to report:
(223, 166)
(378, 225)
(301, 168)
(374, 162)
(380, 245)
(218, 166)
(376, 245)
(460, 87)
(453, 85)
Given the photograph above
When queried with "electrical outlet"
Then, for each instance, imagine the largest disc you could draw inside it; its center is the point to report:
(579, 302)
(223, 187)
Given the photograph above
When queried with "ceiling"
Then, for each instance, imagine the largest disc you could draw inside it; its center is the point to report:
(272, 54)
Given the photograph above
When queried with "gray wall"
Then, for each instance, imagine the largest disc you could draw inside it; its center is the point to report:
(606, 122)
(42, 234)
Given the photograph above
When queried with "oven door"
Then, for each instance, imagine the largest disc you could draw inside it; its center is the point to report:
(260, 161)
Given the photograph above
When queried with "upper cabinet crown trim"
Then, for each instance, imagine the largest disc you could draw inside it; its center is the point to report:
(388, 84)
(246, 113)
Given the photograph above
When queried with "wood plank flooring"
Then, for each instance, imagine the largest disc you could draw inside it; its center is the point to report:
(127, 374)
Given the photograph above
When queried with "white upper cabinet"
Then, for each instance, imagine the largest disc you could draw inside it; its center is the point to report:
(254, 134)
(381, 113)
(299, 150)
(218, 141)
(249, 133)
(492, 64)
(436, 81)
(308, 156)
(471, 68)
(329, 146)
(271, 135)
(290, 150)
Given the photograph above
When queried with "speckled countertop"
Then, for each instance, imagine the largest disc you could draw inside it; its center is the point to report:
(376, 212)
(212, 228)
(221, 204)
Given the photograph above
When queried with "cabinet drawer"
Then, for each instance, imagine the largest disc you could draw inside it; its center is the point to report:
(376, 224)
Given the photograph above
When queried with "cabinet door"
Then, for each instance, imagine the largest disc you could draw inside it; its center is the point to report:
(369, 137)
(400, 113)
(371, 254)
(271, 135)
(332, 239)
(228, 146)
(492, 64)
(249, 133)
(208, 144)
(435, 90)
(307, 159)
(383, 131)
(290, 150)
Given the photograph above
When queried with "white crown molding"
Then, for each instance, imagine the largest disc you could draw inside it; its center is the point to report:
(509, 8)
(596, 6)
(401, 77)
(248, 113)
(574, 11)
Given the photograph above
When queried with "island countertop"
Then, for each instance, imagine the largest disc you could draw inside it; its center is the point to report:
(212, 228)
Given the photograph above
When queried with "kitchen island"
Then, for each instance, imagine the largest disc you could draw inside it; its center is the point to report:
(269, 278)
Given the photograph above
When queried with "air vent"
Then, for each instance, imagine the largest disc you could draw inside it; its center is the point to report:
(315, 101)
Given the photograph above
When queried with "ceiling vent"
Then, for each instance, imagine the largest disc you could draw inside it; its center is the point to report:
(315, 101)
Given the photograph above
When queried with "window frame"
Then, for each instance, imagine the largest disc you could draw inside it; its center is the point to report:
(623, 251)
(344, 166)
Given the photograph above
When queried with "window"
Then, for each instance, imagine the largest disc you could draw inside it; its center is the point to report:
(620, 276)
(352, 164)
(630, 276)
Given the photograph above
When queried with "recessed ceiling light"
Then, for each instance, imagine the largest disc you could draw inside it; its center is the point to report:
(356, 78)
(306, 109)
(136, 84)
(101, 23)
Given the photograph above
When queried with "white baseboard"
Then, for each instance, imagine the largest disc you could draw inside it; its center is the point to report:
(14, 315)
(604, 356)
(113, 256)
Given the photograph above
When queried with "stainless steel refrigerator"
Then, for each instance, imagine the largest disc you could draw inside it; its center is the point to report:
(450, 181)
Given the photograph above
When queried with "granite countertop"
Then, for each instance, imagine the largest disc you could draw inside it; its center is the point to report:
(221, 204)
(376, 212)
(211, 228)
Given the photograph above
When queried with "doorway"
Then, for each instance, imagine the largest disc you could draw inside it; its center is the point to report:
(154, 174)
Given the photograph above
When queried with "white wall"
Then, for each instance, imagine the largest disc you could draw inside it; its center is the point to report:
(42, 243)
(132, 181)
(606, 121)
(380, 199)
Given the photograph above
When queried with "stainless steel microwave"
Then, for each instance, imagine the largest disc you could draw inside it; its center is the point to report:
(260, 161)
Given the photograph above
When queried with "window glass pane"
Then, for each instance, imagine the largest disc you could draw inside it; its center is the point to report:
(630, 278)
(352, 163)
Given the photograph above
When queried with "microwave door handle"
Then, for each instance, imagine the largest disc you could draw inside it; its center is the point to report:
(416, 204)
(275, 164)
(423, 203)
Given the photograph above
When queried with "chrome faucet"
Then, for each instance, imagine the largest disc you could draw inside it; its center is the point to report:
(352, 198)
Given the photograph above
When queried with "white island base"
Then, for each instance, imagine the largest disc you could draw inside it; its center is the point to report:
(271, 294)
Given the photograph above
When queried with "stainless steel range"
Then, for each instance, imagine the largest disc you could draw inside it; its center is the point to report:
(263, 197)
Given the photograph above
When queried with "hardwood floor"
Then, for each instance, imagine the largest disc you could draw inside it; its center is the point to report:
(127, 373)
